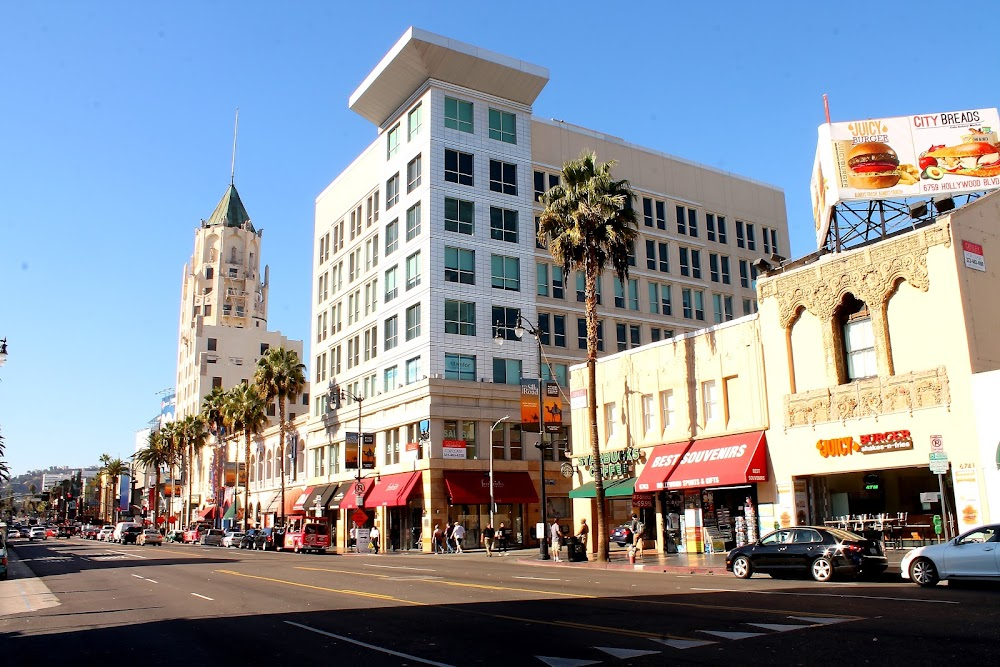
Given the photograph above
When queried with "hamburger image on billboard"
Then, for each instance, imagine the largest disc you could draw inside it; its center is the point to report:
(872, 165)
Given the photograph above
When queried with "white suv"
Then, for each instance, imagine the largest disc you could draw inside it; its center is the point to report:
(37, 533)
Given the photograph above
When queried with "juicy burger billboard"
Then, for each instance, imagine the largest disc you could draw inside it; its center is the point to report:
(936, 154)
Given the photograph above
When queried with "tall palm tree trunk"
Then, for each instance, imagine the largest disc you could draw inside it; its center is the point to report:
(246, 483)
(156, 497)
(281, 432)
(603, 549)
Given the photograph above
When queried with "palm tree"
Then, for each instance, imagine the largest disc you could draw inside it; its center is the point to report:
(113, 469)
(193, 434)
(244, 411)
(4, 468)
(588, 224)
(156, 454)
(102, 503)
(211, 413)
(280, 375)
(173, 444)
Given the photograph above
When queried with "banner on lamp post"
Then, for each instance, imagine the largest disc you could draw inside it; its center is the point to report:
(529, 405)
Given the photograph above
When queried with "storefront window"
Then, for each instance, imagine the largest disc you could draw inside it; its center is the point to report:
(498, 442)
(392, 446)
(462, 430)
(516, 451)
(413, 436)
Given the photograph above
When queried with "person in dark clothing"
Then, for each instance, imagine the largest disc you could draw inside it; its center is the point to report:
(394, 537)
(501, 536)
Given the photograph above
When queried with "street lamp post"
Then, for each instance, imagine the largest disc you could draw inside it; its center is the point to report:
(492, 503)
(519, 330)
(338, 395)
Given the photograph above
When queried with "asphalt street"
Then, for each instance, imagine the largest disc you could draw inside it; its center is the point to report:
(196, 605)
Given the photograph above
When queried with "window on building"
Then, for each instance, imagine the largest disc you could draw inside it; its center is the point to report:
(751, 241)
(391, 332)
(654, 298)
(391, 237)
(542, 279)
(391, 288)
(539, 183)
(506, 371)
(413, 321)
(650, 255)
(633, 294)
(699, 305)
(661, 215)
(610, 421)
(459, 215)
(458, 167)
(213, 345)
(741, 239)
(713, 267)
(413, 122)
(458, 114)
(390, 378)
(710, 401)
(558, 284)
(392, 191)
(858, 339)
(685, 262)
(414, 174)
(667, 408)
(460, 367)
(559, 330)
(412, 370)
(619, 293)
(744, 273)
(561, 372)
(648, 414)
(687, 303)
(710, 226)
(621, 334)
(717, 308)
(581, 334)
(696, 263)
(413, 270)
(581, 288)
(413, 222)
(460, 317)
(371, 343)
(634, 335)
(503, 126)
(392, 142)
(460, 265)
(720, 223)
(647, 212)
(503, 224)
(504, 321)
(505, 272)
(724, 261)
(681, 220)
(503, 177)
(727, 307)
(666, 306)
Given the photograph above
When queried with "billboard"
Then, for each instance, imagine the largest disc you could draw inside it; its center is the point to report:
(930, 155)
(551, 404)
(367, 452)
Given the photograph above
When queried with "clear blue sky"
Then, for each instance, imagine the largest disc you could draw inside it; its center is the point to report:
(116, 131)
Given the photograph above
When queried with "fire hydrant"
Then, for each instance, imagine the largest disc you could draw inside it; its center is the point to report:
(631, 554)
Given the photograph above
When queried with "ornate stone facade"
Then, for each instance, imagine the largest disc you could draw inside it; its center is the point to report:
(872, 275)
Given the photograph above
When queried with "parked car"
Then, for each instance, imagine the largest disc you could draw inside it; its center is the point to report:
(194, 532)
(130, 534)
(37, 533)
(149, 536)
(269, 539)
(25, 531)
(232, 539)
(973, 555)
(90, 532)
(819, 551)
(212, 537)
(621, 536)
(104, 534)
(175, 536)
(64, 531)
(247, 541)
(13, 533)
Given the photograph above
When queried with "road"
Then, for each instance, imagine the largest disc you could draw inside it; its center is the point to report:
(184, 603)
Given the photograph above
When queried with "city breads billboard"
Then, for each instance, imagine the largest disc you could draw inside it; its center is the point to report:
(936, 154)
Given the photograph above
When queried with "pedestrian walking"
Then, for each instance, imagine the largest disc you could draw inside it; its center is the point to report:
(488, 536)
(638, 528)
(501, 538)
(555, 539)
(449, 538)
(438, 538)
(458, 532)
(374, 536)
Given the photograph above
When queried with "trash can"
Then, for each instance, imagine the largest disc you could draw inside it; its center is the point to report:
(577, 551)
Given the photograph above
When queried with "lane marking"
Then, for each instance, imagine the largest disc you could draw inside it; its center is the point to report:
(716, 590)
(457, 584)
(128, 553)
(728, 634)
(137, 576)
(381, 649)
(538, 578)
(363, 594)
(152, 581)
(198, 595)
(566, 662)
(715, 607)
(862, 597)
(403, 567)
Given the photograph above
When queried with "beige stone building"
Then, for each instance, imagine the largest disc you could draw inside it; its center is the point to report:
(425, 258)
(223, 333)
(824, 407)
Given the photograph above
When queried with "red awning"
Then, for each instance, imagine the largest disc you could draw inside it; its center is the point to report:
(207, 513)
(350, 499)
(393, 490)
(291, 497)
(473, 487)
(300, 500)
(722, 461)
(659, 464)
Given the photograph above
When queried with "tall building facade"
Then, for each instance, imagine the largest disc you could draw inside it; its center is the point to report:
(426, 256)
(223, 333)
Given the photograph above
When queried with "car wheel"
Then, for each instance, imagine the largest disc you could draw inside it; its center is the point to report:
(742, 567)
(621, 544)
(822, 569)
(923, 572)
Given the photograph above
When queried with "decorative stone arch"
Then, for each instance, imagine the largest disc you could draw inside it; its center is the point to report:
(210, 248)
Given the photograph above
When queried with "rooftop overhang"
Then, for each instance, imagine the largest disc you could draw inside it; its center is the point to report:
(420, 55)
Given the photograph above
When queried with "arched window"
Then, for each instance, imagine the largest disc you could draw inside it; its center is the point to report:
(301, 458)
(252, 469)
(232, 255)
(857, 339)
(268, 473)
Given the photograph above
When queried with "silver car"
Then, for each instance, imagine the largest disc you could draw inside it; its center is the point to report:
(974, 555)
(212, 537)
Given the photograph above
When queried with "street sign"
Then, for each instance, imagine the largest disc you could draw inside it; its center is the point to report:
(937, 443)
(359, 517)
(359, 487)
(939, 463)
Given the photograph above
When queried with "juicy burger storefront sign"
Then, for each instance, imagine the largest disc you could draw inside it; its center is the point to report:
(872, 443)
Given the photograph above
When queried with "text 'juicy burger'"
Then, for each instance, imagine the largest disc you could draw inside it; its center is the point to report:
(978, 158)
(872, 165)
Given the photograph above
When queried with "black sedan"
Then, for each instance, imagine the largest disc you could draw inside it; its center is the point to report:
(821, 552)
(621, 536)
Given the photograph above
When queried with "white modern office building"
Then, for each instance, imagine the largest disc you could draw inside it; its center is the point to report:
(425, 257)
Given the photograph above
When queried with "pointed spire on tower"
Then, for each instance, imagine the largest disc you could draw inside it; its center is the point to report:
(230, 212)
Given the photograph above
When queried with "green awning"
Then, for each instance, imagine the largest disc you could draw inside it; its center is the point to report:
(614, 489)
(230, 511)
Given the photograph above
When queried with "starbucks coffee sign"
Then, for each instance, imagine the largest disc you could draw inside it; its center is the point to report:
(615, 464)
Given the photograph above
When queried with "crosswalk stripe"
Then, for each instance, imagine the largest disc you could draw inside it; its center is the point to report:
(566, 662)
(819, 620)
(683, 643)
(624, 652)
(725, 634)
(779, 627)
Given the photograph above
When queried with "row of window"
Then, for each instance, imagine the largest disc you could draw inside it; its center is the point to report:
(713, 409)
(460, 115)
(459, 167)
(654, 214)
